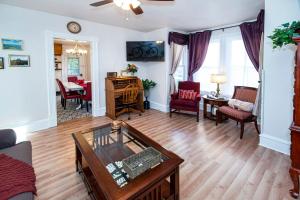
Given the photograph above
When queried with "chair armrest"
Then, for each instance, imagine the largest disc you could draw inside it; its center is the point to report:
(7, 138)
(174, 96)
(198, 98)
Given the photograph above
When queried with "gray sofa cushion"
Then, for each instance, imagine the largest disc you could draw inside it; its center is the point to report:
(23, 152)
(7, 138)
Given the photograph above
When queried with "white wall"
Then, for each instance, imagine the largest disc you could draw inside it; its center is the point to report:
(278, 78)
(159, 72)
(24, 99)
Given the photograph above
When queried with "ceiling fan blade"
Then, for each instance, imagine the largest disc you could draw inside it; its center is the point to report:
(101, 3)
(138, 10)
(161, 0)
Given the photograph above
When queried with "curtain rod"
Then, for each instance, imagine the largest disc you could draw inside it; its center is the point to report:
(225, 27)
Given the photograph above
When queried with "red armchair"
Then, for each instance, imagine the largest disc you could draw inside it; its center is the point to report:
(66, 95)
(87, 96)
(177, 104)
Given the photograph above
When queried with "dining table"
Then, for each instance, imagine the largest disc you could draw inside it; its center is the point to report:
(71, 86)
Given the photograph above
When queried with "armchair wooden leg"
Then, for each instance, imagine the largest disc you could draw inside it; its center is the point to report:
(170, 112)
(198, 116)
(256, 126)
(242, 130)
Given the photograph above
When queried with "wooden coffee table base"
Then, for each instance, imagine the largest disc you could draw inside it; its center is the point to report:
(157, 183)
(161, 190)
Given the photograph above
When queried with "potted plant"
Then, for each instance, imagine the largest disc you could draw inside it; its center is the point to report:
(147, 84)
(284, 34)
(132, 68)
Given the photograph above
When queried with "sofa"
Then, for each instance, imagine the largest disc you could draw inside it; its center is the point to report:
(21, 151)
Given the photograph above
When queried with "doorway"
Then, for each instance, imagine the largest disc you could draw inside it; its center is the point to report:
(73, 78)
(65, 67)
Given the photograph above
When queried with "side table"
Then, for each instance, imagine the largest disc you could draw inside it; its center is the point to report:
(213, 103)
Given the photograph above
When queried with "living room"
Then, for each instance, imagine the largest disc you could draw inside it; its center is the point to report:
(217, 163)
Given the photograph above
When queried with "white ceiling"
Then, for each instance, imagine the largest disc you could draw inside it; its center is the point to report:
(185, 15)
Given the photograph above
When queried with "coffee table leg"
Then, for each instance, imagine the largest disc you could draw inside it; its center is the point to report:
(78, 158)
(175, 184)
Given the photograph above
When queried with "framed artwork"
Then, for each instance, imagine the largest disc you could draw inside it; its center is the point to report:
(19, 60)
(9, 44)
(1, 63)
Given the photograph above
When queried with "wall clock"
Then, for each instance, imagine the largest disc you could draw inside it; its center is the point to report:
(74, 27)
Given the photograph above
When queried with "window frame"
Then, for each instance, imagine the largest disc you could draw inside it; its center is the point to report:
(68, 69)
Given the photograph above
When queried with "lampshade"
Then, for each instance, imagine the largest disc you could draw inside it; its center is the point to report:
(218, 78)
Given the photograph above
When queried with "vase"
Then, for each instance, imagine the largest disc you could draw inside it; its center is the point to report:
(146, 102)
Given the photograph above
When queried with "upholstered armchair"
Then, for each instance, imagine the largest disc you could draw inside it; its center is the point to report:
(245, 94)
(178, 104)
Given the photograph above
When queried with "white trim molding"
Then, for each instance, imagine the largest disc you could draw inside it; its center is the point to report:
(275, 144)
(160, 107)
(100, 112)
(49, 40)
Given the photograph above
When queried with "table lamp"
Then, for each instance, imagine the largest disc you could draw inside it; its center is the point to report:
(218, 79)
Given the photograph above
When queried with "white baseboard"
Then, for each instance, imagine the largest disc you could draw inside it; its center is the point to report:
(160, 107)
(31, 126)
(275, 144)
(99, 112)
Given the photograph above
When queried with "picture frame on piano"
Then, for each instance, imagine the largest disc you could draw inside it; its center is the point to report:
(112, 74)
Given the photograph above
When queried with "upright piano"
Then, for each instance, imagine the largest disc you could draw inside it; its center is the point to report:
(114, 87)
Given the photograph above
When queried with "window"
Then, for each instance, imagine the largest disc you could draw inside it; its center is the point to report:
(181, 71)
(227, 54)
(210, 66)
(73, 66)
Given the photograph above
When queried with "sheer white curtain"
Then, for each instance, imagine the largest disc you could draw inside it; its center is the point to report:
(227, 54)
(176, 54)
(257, 108)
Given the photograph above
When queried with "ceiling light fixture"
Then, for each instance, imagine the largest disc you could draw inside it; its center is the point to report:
(125, 4)
(77, 51)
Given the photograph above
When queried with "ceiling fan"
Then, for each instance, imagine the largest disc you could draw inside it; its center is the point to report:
(133, 5)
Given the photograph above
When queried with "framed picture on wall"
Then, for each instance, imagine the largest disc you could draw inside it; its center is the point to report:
(1, 63)
(10, 44)
(19, 60)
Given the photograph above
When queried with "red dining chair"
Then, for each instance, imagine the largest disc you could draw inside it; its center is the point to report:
(87, 96)
(66, 95)
(73, 79)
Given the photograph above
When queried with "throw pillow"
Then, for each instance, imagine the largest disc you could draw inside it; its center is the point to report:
(187, 94)
(241, 105)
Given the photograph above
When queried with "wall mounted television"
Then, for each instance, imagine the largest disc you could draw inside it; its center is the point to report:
(145, 51)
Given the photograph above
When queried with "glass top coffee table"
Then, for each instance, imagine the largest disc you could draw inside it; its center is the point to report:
(99, 155)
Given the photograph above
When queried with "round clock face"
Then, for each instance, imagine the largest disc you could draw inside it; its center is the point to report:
(74, 27)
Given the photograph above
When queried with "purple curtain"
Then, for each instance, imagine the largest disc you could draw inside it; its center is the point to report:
(251, 34)
(198, 46)
(178, 38)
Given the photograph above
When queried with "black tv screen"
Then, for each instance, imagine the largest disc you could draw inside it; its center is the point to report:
(145, 51)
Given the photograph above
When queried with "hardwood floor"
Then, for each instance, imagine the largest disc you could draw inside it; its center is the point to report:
(218, 165)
